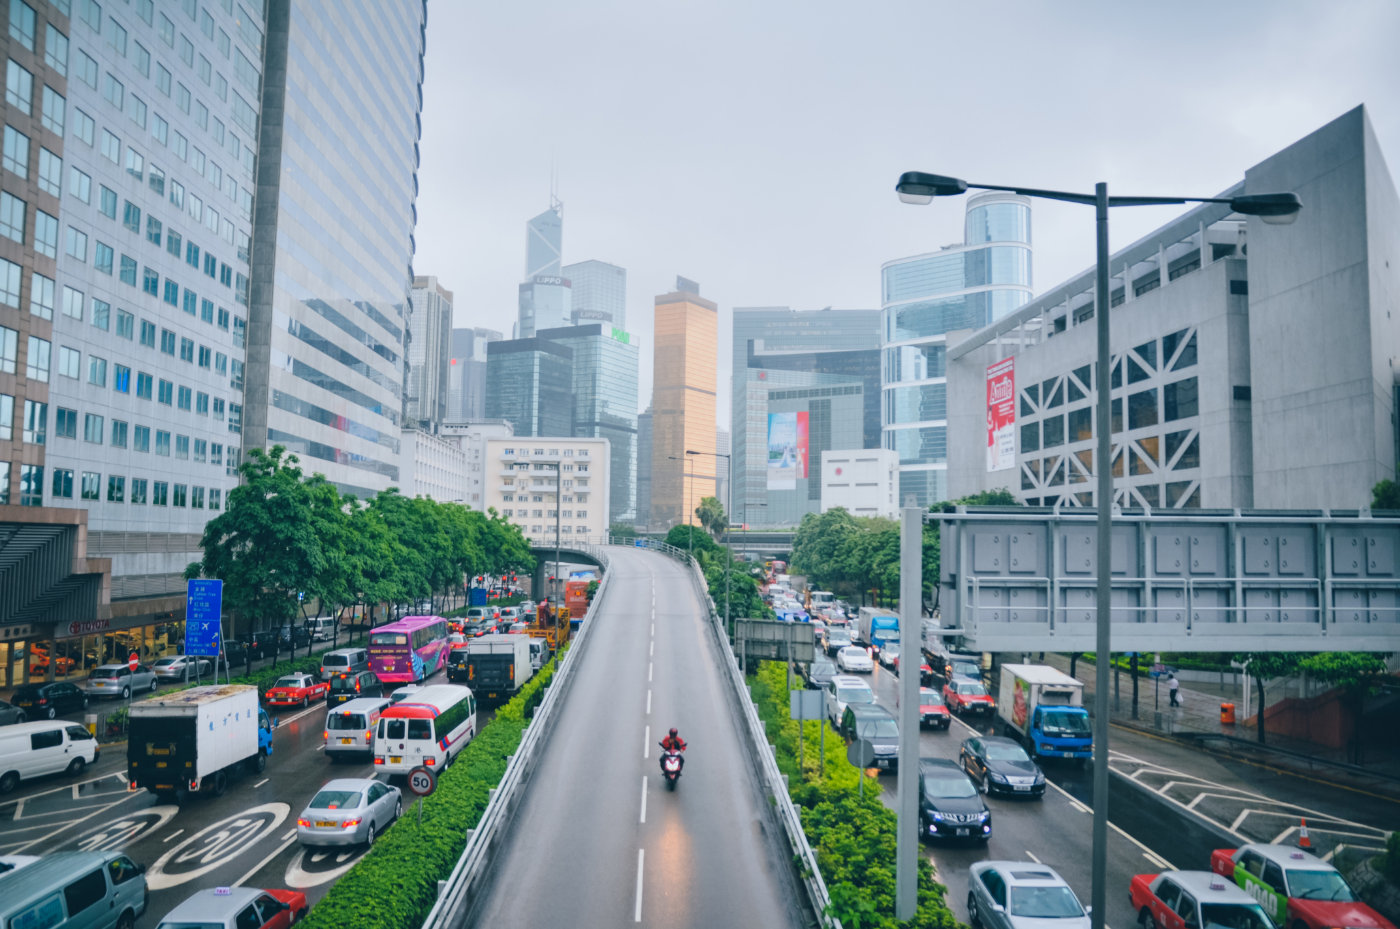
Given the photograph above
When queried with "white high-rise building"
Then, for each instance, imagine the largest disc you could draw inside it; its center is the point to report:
(430, 335)
(528, 479)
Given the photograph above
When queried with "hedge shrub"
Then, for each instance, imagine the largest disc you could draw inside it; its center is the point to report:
(394, 886)
(853, 835)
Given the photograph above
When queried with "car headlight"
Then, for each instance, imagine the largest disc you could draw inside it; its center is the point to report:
(936, 816)
(1039, 778)
(984, 816)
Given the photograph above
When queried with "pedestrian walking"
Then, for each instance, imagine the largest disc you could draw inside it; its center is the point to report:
(1172, 687)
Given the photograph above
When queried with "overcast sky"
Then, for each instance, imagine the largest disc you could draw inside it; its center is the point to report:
(754, 147)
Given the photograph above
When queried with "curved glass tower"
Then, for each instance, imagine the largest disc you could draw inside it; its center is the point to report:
(923, 298)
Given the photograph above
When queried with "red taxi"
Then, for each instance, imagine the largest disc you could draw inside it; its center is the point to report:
(296, 690)
(933, 712)
(1295, 888)
(965, 696)
(1193, 900)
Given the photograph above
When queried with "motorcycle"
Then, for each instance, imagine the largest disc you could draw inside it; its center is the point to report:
(671, 764)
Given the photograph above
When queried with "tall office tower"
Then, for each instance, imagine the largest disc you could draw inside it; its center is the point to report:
(926, 296)
(466, 374)
(333, 243)
(643, 520)
(530, 383)
(683, 404)
(804, 382)
(599, 292)
(154, 109)
(605, 402)
(722, 447)
(430, 332)
(545, 300)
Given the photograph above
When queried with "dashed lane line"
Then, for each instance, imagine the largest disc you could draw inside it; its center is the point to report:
(637, 915)
(644, 798)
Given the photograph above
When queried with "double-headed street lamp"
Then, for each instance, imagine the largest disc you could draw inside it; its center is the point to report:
(728, 543)
(919, 188)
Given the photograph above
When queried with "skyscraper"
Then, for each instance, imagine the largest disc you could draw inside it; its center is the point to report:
(544, 242)
(598, 291)
(430, 330)
(643, 520)
(333, 243)
(605, 401)
(683, 404)
(926, 296)
(466, 374)
(530, 383)
(804, 382)
(544, 299)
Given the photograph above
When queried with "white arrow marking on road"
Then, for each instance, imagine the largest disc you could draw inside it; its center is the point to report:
(123, 832)
(638, 916)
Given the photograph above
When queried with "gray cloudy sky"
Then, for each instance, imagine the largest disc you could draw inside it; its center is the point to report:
(753, 147)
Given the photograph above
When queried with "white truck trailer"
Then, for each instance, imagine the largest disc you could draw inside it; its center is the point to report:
(1044, 708)
(191, 740)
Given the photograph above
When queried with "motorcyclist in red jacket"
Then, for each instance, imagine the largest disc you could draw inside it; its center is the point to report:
(674, 742)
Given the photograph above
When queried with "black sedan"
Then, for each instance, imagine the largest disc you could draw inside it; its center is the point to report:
(47, 701)
(1001, 765)
(949, 805)
(820, 673)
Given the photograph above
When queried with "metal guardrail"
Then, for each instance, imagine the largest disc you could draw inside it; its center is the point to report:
(773, 778)
(455, 894)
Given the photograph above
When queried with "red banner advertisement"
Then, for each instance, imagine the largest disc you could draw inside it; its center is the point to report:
(1001, 415)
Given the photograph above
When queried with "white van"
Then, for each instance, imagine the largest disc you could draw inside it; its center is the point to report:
(350, 726)
(539, 651)
(32, 749)
(321, 629)
(74, 890)
(348, 660)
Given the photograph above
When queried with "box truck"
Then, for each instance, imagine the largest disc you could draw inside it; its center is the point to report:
(877, 625)
(494, 666)
(1044, 708)
(196, 739)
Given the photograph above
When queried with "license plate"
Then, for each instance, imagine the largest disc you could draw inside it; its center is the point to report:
(395, 759)
(1022, 787)
(347, 741)
(323, 824)
(882, 763)
(962, 832)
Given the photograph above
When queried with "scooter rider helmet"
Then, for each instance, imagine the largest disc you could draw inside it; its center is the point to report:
(673, 732)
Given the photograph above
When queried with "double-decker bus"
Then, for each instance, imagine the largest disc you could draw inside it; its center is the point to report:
(408, 650)
(428, 728)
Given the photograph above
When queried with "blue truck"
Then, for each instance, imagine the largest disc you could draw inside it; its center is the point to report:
(1044, 708)
(877, 626)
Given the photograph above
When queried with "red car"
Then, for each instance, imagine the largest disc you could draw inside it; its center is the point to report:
(1296, 889)
(1192, 899)
(296, 690)
(239, 908)
(965, 696)
(933, 712)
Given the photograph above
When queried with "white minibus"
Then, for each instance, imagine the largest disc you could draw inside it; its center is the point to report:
(427, 729)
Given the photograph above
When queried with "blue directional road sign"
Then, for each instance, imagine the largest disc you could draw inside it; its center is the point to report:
(203, 614)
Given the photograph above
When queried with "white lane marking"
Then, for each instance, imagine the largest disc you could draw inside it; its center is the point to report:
(648, 672)
(646, 744)
(1166, 865)
(173, 834)
(644, 798)
(259, 866)
(648, 703)
(653, 628)
(1031, 855)
(321, 747)
(1234, 826)
(260, 783)
(651, 650)
(637, 916)
(290, 833)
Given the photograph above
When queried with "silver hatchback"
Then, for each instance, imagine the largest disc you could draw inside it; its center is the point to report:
(117, 680)
(181, 668)
(349, 811)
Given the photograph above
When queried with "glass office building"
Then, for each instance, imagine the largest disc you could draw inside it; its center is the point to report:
(545, 301)
(333, 242)
(599, 292)
(815, 373)
(605, 402)
(530, 383)
(923, 298)
(685, 356)
(430, 337)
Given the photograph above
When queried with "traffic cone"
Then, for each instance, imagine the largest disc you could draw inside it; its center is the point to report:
(1303, 841)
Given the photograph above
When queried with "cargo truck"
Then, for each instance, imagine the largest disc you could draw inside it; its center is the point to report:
(1044, 708)
(877, 625)
(195, 740)
(494, 666)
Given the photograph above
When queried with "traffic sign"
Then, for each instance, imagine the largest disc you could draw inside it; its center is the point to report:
(203, 614)
(422, 781)
(133, 661)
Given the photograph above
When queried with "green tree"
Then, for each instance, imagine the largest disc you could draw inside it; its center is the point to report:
(815, 547)
(507, 550)
(711, 514)
(1385, 496)
(264, 546)
(1358, 675)
(1264, 667)
(622, 531)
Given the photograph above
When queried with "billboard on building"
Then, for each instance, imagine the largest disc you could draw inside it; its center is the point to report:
(1001, 415)
(787, 449)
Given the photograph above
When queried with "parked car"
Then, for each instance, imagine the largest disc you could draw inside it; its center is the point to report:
(47, 701)
(297, 689)
(1295, 888)
(350, 727)
(34, 749)
(1021, 895)
(10, 714)
(1193, 900)
(349, 811)
(181, 667)
(841, 692)
(118, 680)
(968, 697)
(235, 653)
(293, 636)
(854, 658)
(347, 686)
(237, 908)
(1001, 765)
(877, 725)
(950, 806)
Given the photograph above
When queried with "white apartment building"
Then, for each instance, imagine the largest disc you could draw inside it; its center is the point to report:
(864, 481)
(432, 466)
(521, 475)
(471, 437)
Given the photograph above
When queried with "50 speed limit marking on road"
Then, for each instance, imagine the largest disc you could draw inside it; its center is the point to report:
(216, 845)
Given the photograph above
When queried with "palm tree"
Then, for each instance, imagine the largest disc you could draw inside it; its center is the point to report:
(711, 514)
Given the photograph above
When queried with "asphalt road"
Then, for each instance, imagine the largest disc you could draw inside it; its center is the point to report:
(604, 842)
(246, 837)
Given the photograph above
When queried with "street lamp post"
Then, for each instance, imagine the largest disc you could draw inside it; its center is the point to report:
(728, 542)
(690, 534)
(558, 505)
(1278, 208)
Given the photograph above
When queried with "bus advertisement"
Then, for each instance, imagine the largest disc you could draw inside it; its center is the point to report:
(408, 650)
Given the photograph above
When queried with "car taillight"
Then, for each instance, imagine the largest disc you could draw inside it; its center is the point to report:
(304, 822)
(430, 761)
(350, 823)
(326, 734)
(369, 734)
(378, 759)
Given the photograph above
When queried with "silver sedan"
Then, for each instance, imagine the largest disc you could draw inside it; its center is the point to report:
(1021, 895)
(178, 667)
(349, 811)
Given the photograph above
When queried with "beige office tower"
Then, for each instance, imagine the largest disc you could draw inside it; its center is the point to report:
(683, 405)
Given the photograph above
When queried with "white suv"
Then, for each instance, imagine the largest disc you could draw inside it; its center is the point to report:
(842, 691)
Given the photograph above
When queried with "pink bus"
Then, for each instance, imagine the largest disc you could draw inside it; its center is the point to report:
(408, 650)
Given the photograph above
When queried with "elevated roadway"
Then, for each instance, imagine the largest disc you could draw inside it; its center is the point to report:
(598, 840)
